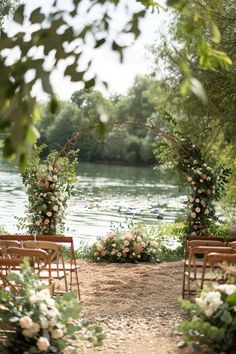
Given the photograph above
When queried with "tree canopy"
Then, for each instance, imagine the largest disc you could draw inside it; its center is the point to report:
(60, 35)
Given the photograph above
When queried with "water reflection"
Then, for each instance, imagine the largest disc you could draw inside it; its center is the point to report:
(103, 195)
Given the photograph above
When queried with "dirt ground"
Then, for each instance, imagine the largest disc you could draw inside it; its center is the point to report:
(136, 304)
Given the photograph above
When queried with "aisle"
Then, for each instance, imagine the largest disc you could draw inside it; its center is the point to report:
(135, 304)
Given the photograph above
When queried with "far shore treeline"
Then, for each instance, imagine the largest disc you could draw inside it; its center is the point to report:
(118, 144)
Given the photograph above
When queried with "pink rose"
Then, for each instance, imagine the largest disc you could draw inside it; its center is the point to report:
(126, 249)
(193, 215)
(197, 210)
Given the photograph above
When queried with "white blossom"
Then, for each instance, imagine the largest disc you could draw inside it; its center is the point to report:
(25, 322)
(43, 344)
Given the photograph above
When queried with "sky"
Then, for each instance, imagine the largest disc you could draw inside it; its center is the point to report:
(106, 63)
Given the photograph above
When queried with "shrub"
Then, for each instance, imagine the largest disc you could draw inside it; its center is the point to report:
(33, 322)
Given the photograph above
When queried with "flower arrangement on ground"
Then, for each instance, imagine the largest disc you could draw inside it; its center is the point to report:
(213, 323)
(35, 323)
(132, 245)
(49, 186)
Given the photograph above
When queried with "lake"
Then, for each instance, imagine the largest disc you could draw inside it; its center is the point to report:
(105, 195)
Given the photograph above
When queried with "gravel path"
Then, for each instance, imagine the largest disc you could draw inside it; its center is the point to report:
(136, 304)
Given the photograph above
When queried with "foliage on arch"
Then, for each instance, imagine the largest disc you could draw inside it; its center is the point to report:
(204, 180)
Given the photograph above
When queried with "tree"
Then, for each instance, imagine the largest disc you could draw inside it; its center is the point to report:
(7, 7)
(55, 35)
(217, 114)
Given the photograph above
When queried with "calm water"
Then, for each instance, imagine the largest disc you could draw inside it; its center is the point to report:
(104, 195)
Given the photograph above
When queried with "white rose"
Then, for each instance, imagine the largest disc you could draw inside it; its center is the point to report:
(228, 289)
(33, 298)
(189, 178)
(43, 344)
(25, 322)
(209, 311)
(35, 328)
(57, 333)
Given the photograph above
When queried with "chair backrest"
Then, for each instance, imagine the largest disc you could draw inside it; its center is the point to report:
(232, 244)
(215, 257)
(202, 242)
(39, 259)
(51, 247)
(189, 238)
(4, 245)
(60, 239)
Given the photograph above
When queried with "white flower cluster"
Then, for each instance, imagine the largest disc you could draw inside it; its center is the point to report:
(210, 302)
(48, 320)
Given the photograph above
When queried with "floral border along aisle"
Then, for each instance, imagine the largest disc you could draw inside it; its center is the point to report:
(34, 323)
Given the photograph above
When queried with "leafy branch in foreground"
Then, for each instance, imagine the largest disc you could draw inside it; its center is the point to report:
(57, 35)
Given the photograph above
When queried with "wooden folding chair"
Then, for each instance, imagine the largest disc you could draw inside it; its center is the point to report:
(199, 241)
(194, 269)
(72, 268)
(6, 244)
(39, 260)
(8, 265)
(214, 259)
(58, 269)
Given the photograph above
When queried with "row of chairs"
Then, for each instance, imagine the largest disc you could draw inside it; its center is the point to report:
(45, 254)
(203, 253)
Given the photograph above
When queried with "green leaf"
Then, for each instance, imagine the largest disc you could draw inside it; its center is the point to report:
(32, 135)
(197, 88)
(19, 14)
(116, 47)
(231, 299)
(53, 104)
(100, 42)
(226, 317)
(216, 35)
(71, 328)
(36, 16)
(178, 4)
(90, 83)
